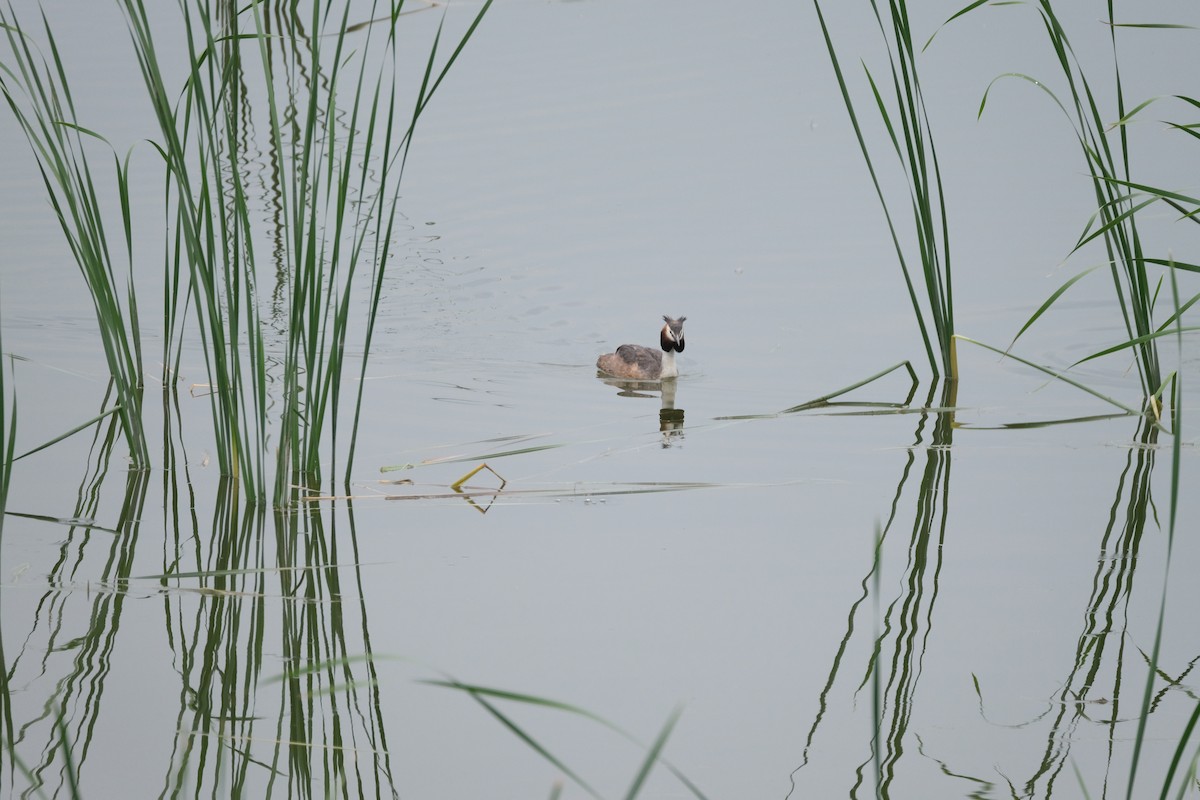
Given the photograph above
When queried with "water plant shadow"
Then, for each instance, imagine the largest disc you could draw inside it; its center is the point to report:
(8, 437)
(225, 624)
(273, 585)
(1106, 658)
(894, 664)
(67, 721)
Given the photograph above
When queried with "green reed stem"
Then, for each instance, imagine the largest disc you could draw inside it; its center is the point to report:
(1109, 170)
(336, 147)
(39, 97)
(908, 128)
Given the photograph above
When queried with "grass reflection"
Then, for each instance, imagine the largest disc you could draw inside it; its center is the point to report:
(8, 440)
(67, 723)
(1093, 693)
(268, 590)
(894, 665)
(244, 598)
(1093, 696)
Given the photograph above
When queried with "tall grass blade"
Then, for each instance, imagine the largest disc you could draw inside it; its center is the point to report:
(824, 399)
(424, 96)
(1049, 302)
(1054, 374)
(652, 755)
(534, 744)
(1180, 265)
(919, 160)
(69, 433)
(1109, 171)
(38, 94)
(1136, 343)
(336, 147)
(1177, 755)
(1154, 25)
(557, 705)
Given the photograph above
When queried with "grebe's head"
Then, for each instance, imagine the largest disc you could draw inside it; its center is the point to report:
(671, 336)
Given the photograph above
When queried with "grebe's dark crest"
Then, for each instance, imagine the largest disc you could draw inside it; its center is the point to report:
(636, 363)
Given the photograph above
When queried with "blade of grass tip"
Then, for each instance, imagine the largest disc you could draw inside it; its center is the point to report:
(1049, 302)
(1154, 25)
(1188, 129)
(887, 213)
(1191, 100)
(70, 433)
(1177, 756)
(1113, 223)
(1079, 777)
(652, 754)
(1135, 342)
(1086, 228)
(1183, 198)
(519, 697)
(427, 90)
(456, 459)
(1179, 313)
(81, 129)
(1024, 77)
(883, 112)
(1125, 119)
(454, 55)
(1167, 381)
(1162, 262)
(558, 705)
(1154, 298)
(950, 19)
(537, 747)
(479, 695)
(826, 398)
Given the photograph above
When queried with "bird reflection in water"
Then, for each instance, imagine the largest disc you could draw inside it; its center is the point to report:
(670, 418)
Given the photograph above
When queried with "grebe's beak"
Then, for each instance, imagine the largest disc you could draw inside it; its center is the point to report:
(671, 336)
(668, 341)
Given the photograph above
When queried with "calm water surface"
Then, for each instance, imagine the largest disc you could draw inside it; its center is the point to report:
(588, 167)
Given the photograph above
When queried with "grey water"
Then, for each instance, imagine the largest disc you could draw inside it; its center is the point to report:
(588, 167)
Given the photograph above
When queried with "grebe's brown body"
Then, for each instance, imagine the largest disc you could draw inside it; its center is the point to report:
(636, 363)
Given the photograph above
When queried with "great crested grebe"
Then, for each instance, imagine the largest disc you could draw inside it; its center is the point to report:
(636, 363)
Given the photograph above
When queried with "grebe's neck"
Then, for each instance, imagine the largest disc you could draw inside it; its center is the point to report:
(669, 370)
